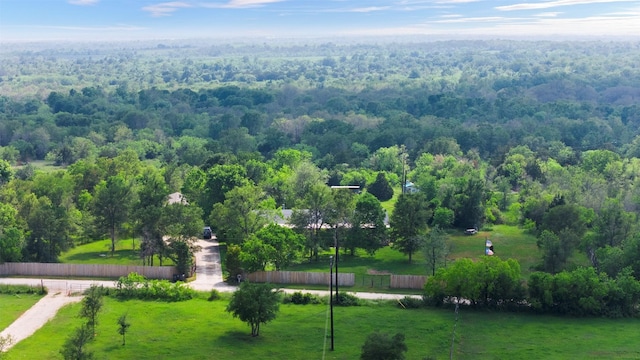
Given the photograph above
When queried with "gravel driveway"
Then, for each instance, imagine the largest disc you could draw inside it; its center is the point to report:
(38, 315)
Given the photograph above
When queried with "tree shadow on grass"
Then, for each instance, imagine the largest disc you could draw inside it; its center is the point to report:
(120, 256)
(238, 337)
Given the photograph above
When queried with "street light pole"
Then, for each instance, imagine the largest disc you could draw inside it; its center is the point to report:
(331, 295)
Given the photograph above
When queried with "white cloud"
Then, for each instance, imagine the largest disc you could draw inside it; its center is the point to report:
(94, 28)
(248, 3)
(369, 9)
(166, 8)
(548, 14)
(473, 19)
(83, 2)
(550, 4)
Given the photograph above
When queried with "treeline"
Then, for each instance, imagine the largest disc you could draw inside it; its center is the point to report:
(539, 135)
(492, 283)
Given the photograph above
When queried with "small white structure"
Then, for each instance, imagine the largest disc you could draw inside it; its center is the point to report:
(177, 198)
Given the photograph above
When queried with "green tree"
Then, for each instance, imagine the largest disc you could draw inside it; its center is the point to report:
(435, 248)
(312, 214)
(233, 262)
(6, 172)
(181, 225)
(91, 306)
(381, 188)
(148, 212)
(381, 346)
(11, 237)
(409, 223)
(443, 217)
(75, 348)
(111, 204)
(256, 254)
(613, 225)
(368, 230)
(554, 251)
(220, 180)
(254, 304)
(245, 210)
(123, 327)
(286, 244)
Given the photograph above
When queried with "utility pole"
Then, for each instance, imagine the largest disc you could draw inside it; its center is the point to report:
(403, 156)
(331, 295)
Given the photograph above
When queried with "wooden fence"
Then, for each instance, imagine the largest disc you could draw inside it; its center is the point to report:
(296, 277)
(407, 281)
(89, 270)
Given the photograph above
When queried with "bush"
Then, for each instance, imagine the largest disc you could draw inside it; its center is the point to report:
(299, 298)
(409, 302)
(135, 286)
(346, 299)
(22, 289)
(381, 346)
(213, 295)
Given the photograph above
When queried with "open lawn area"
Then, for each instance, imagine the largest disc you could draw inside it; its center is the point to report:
(198, 329)
(98, 252)
(372, 272)
(13, 305)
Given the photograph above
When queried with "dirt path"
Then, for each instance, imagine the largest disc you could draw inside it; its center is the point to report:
(38, 315)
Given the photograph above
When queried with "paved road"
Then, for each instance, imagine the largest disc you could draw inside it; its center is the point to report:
(208, 268)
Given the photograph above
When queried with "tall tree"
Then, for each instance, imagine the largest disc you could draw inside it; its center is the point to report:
(254, 304)
(555, 253)
(435, 248)
(6, 173)
(11, 237)
(148, 211)
(381, 188)
(286, 244)
(368, 230)
(181, 225)
(409, 223)
(311, 214)
(245, 210)
(91, 306)
(111, 205)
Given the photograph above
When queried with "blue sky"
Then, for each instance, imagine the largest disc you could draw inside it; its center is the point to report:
(82, 20)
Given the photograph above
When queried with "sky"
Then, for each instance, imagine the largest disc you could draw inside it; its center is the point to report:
(122, 20)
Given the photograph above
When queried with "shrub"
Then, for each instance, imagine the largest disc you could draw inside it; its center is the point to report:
(213, 295)
(22, 289)
(299, 298)
(135, 286)
(346, 299)
(409, 302)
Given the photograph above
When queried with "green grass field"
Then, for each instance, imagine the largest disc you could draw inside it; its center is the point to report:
(13, 305)
(198, 329)
(99, 252)
(372, 272)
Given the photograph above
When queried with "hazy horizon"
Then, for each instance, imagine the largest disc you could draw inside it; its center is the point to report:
(125, 20)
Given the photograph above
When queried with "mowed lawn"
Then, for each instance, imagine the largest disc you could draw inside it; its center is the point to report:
(198, 329)
(99, 252)
(14, 305)
(508, 241)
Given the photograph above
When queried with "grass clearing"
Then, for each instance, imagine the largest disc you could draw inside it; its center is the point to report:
(198, 329)
(14, 305)
(99, 252)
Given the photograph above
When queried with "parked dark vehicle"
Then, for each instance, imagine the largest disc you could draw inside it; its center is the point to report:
(207, 233)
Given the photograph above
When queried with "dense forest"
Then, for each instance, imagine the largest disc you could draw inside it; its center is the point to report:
(543, 135)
